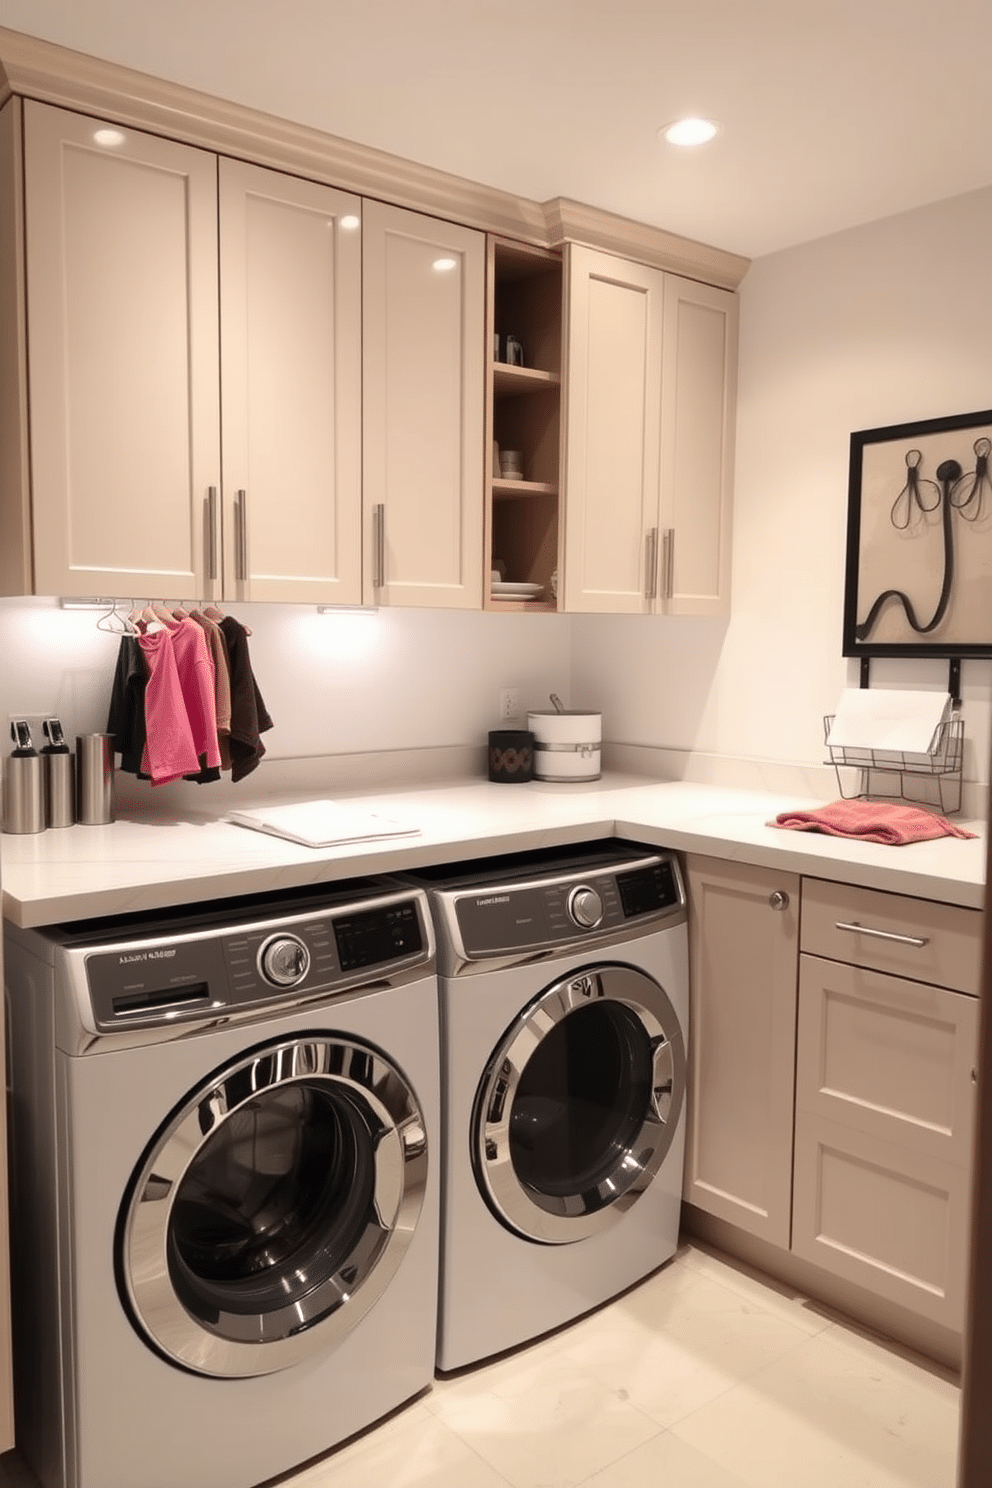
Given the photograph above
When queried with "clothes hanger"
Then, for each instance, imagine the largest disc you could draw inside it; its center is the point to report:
(113, 623)
(213, 613)
(145, 620)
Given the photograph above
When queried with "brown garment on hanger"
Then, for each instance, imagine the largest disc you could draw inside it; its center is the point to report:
(222, 671)
(249, 716)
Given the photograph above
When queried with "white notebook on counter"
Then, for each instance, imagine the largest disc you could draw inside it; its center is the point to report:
(322, 823)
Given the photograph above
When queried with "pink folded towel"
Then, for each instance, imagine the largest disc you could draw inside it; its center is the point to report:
(872, 821)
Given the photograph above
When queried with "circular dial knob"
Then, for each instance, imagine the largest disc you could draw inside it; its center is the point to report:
(284, 960)
(585, 907)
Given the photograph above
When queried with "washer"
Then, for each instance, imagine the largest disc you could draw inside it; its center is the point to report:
(225, 1184)
(564, 999)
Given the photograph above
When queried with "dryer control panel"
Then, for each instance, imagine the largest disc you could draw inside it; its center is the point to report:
(540, 902)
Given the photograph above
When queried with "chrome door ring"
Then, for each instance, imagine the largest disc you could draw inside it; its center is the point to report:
(380, 1102)
(563, 1219)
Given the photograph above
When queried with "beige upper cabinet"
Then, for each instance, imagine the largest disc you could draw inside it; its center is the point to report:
(291, 415)
(650, 391)
(161, 353)
(698, 424)
(121, 263)
(423, 393)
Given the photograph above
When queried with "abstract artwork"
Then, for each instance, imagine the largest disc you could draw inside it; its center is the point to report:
(919, 539)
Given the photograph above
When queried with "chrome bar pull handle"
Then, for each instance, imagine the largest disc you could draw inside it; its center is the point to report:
(668, 563)
(211, 532)
(378, 545)
(651, 564)
(241, 499)
(912, 940)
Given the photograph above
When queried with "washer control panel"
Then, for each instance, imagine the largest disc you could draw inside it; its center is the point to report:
(501, 918)
(230, 966)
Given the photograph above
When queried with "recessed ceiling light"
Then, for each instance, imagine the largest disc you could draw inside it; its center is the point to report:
(689, 131)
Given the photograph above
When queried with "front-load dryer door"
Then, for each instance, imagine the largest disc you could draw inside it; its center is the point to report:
(274, 1206)
(579, 1104)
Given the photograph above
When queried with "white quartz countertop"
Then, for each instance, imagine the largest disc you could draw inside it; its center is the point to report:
(148, 861)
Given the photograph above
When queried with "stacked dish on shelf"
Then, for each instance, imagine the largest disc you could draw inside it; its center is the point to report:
(505, 589)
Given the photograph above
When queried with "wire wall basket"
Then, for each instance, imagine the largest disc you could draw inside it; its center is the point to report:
(930, 780)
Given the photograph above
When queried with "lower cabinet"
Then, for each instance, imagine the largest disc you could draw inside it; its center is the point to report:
(833, 1078)
(743, 943)
(885, 1081)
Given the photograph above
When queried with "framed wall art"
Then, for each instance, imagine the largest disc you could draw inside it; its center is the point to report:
(919, 539)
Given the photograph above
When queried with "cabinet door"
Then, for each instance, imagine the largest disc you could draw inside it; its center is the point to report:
(423, 384)
(122, 344)
(6, 1359)
(291, 357)
(16, 573)
(884, 1117)
(698, 413)
(613, 397)
(743, 955)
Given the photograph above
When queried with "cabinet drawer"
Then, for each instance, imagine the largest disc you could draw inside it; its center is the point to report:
(877, 1215)
(887, 1056)
(915, 938)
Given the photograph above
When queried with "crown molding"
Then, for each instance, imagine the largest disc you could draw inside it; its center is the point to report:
(572, 222)
(32, 68)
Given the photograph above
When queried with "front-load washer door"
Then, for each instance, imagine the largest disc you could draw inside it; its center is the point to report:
(579, 1104)
(274, 1206)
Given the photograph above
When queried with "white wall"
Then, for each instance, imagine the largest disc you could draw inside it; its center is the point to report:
(334, 684)
(884, 324)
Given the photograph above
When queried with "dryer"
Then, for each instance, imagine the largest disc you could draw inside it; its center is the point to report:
(563, 978)
(225, 1134)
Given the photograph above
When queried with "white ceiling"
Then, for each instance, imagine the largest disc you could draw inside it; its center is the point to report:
(833, 112)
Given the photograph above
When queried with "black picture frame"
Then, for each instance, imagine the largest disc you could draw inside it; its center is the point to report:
(918, 579)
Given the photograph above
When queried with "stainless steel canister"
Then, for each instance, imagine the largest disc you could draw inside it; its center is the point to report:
(60, 787)
(23, 793)
(94, 778)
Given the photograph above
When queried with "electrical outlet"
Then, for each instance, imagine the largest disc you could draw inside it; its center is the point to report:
(509, 703)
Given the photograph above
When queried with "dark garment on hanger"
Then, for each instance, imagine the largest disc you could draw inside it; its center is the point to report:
(249, 716)
(126, 718)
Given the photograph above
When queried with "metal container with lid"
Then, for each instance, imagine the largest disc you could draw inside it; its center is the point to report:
(567, 744)
(23, 783)
(60, 790)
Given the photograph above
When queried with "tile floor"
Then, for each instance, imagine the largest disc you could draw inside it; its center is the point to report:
(704, 1376)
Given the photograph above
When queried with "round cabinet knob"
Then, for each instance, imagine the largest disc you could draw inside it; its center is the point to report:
(284, 961)
(779, 899)
(585, 907)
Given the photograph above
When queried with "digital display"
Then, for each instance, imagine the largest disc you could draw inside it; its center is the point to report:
(647, 889)
(388, 933)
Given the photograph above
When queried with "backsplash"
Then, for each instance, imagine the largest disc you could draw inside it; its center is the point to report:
(340, 683)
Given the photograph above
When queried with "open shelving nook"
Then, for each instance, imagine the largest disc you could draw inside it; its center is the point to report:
(523, 413)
